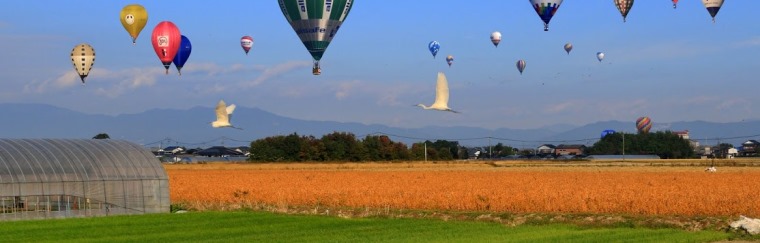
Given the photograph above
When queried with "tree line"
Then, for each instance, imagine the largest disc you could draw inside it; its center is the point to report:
(344, 146)
(665, 144)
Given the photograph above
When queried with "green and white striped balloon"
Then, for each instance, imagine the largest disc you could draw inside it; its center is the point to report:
(316, 21)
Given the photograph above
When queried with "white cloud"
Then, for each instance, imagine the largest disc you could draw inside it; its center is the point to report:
(65, 80)
(277, 70)
(212, 69)
(754, 41)
(344, 89)
(123, 80)
(570, 105)
(129, 79)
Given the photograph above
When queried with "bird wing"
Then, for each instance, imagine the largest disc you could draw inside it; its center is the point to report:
(230, 109)
(441, 91)
(221, 112)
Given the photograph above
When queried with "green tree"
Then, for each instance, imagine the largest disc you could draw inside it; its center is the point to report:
(372, 148)
(665, 144)
(400, 151)
(500, 150)
(418, 151)
(342, 146)
(101, 136)
(452, 146)
(445, 154)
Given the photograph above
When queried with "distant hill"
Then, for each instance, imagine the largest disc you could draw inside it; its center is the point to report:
(191, 128)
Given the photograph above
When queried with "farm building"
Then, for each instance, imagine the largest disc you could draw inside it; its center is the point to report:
(58, 178)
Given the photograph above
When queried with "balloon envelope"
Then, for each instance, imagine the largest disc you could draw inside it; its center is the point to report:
(496, 38)
(546, 10)
(133, 17)
(713, 6)
(449, 60)
(166, 40)
(83, 57)
(246, 43)
(624, 6)
(600, 56)
(607, 132)
(316, 22)
(183, 53)
(643, 124)
(433, 47)
(568, 47)
(521, 66)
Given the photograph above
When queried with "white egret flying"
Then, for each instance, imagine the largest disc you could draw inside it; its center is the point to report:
(223, 115)
(441, 96)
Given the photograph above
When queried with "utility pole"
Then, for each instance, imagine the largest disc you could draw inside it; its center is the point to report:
(623, 146)
(425, 151)
(490, 149)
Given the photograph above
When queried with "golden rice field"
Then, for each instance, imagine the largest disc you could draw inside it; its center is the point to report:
(644, 188)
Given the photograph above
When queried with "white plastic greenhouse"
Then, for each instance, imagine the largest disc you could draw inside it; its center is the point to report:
(58, 178)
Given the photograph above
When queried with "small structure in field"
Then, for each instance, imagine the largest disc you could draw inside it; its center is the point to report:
(752, 226)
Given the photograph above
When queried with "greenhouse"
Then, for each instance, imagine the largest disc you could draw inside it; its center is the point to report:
(59, 178)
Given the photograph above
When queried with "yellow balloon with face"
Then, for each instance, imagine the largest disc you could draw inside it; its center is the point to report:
(134, 17)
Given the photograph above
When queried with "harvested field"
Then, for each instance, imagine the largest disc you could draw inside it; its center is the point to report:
(633, 188)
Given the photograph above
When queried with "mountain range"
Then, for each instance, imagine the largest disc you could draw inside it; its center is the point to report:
(191, 128)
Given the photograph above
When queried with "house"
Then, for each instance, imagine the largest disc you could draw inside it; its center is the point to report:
(569, 149)
(545, 149)
(682, 134)
(219, 151)
(174, 150)
(732, 153)
(749, 148)
(245, 150)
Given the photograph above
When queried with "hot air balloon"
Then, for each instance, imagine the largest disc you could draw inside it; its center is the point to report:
(246, 42)
(182, 54)
(166, 40)
(133, 17)
(675, 2)
(600, 56)
(713, 6)
(607, 132)
(316, 22)
(568, 48)
(521, 66)
(624, 6)
(495, 38)
(83, 56)
(449, 60)
(434, 46)
(546, 10)
(643, 124)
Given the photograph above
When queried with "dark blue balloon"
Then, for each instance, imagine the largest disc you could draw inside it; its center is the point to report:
(607, 132)
(182, 54)
(434, 46)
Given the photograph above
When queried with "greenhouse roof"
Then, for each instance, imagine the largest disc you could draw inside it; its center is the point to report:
(60, 160)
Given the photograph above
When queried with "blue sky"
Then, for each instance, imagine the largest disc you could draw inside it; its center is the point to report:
(669, 64)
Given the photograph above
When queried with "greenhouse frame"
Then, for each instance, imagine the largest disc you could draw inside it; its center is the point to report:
(60, 178)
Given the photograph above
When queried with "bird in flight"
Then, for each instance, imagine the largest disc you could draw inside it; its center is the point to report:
(223, 115)
(441, 96)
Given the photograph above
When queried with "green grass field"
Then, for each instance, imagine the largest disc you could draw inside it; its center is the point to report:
(243, 226)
